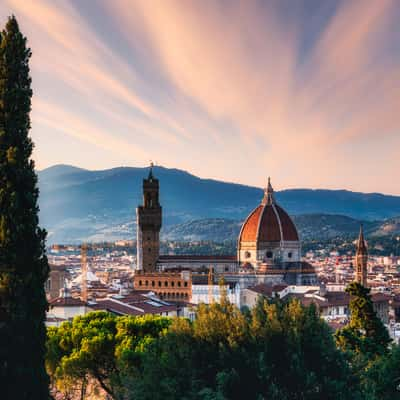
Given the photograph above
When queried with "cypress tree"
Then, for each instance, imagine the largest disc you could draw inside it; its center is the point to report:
(365, 334)
(23, 262)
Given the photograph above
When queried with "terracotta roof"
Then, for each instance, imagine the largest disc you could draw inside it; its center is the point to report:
(337, 298)
(125, 306)
(116, 308)
(66, 302)
(267, 290)
(268, 223)
(250, 226)
(380, 297)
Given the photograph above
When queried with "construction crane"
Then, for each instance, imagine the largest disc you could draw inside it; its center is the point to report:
(84, 292)
(210, 285)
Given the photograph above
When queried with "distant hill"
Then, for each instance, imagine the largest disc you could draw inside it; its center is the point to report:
(78, 204)
(310, 226)
(390, 226)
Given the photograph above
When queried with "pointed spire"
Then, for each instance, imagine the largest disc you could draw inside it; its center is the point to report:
(151, 171)
(269, 196)
(361, 245)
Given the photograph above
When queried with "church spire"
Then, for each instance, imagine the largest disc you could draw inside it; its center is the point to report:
(361, 259)
(361, 245)
(269, 196)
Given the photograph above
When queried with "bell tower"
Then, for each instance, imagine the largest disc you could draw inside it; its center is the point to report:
(148, 218)
(361, 259)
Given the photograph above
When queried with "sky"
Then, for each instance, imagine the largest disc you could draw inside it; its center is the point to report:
(304, 91)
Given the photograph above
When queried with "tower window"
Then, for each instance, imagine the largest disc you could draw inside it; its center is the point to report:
(247, 254)
(185, 284)
(269, 254)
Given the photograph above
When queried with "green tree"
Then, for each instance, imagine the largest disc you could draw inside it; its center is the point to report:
(365, 336)
(282, 351)
(99, 350)
(296, 353)
(23, 263)
(381, 379)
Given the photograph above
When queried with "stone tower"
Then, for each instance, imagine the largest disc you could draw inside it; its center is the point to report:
(148, 225)
(361, 259)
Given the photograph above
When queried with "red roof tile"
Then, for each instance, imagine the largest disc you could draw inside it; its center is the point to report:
(268, 223)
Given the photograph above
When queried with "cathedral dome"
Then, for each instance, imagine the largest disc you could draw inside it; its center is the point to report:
(268, 223)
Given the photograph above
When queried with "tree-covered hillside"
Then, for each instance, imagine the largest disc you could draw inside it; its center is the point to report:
(78, 204)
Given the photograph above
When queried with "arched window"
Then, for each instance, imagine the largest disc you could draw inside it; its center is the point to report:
(146, 283)
(159, 283)
(140, 283)
(172, 283)
(166, 283)
(179, 284)
(153, 283)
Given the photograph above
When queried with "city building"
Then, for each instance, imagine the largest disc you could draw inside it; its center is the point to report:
(65, 308)
(268, 251)
(269, 246)
(57, 276)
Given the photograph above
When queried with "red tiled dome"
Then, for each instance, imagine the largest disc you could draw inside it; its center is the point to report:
(268, 223)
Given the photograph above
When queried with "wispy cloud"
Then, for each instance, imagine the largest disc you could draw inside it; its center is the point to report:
(234, 90)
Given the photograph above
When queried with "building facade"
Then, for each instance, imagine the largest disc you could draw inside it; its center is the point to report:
(174, 286)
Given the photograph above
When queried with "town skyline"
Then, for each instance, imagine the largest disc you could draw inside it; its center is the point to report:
(293, 90)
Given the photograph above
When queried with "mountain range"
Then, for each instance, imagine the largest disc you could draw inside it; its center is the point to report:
(78, 204)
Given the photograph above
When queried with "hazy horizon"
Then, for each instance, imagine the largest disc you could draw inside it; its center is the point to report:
(276, 188)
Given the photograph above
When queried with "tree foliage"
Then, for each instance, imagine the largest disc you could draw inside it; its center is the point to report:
(365, 335)
(366, 343)
(278, 350)
(23, 263)
(380, 380)
(283, 351)
(98, 351)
